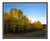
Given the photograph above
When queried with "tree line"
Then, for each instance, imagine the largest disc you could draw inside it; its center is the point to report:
(15, 21)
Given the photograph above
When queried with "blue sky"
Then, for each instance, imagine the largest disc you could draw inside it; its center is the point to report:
(34, 11)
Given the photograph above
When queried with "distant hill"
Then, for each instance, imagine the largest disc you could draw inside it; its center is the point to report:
(44, 25)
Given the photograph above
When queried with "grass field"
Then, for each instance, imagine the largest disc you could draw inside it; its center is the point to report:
(31, 35)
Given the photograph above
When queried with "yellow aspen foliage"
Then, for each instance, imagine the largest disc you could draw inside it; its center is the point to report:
(28, 26)
(17, 19)
(30, 21)
(37, 25)
(12, 25)
(6, 16)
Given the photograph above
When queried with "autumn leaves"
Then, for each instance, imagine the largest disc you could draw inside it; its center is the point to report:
(15, 19)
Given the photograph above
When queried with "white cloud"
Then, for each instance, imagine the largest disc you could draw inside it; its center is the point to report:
(42, 19)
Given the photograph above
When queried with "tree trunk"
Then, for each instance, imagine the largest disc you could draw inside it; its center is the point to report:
(6, 27)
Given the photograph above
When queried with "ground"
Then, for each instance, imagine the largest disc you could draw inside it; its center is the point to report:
(42, 34)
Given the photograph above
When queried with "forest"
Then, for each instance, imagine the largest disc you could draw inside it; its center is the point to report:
(16, 22)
